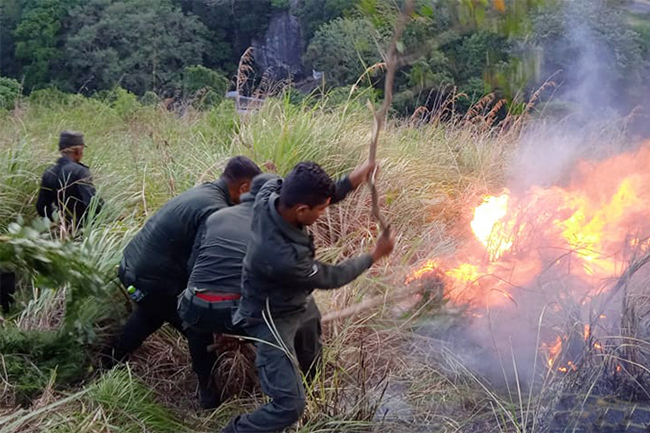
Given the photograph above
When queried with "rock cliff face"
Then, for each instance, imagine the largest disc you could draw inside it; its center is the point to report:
(279, 51)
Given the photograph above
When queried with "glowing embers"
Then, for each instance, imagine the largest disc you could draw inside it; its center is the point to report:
(429, 267)
(565, 352)
(466, 273)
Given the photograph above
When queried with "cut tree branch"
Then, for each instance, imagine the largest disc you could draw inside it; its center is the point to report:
(391, 62)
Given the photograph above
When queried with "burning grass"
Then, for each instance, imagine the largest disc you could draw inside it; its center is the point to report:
(567, 264)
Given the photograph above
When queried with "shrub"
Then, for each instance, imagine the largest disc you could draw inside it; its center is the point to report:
(49, 97)
(125, 102)
(150, 98)
(208, 87)
(10, 91)
(343, 49)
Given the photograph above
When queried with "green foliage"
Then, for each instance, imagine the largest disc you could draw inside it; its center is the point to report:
(124, 102)
(10, 13)
(208, 87)
(140, 45)
(313, 14)
(150, 98)
(38, 39)
(31, 357)
(51, 263)
(285, 134)
(430, 73)
(473, 63)
(10, 92)
(343, 49)
(232, 25)
(84, 271)
(128, 400)
(477, 53)
(280, 5)
(49, 97)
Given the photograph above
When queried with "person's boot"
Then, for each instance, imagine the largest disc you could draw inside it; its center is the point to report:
(208, 399)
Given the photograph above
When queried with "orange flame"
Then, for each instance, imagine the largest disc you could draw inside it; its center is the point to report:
(429, 266)
(588, 228)
(553, 351)
(486, 227)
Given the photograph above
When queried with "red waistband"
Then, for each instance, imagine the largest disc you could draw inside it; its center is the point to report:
(214, 297)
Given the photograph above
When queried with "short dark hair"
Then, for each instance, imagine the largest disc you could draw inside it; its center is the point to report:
(307, 184)
(240, 168)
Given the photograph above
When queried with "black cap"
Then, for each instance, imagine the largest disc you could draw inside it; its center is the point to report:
(70, 139)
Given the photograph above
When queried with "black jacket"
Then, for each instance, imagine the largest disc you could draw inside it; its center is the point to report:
(157, 257)
(280, 262)
(66, 186)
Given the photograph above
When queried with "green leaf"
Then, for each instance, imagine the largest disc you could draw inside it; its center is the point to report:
(479, 14)
(426, 11)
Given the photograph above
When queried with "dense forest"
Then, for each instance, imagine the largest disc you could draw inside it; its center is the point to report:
(176, 48)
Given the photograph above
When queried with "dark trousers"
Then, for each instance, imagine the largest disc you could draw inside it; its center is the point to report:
(200, 320)
(7, 290)
(149, 315)
(279, 370)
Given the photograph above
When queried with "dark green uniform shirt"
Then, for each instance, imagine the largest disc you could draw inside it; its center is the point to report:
(158, 255)
(280, 262)
(221, 249)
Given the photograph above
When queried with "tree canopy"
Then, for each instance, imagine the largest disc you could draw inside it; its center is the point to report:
(468, 47)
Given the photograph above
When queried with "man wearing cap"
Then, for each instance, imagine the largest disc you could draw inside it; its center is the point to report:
(67, 186)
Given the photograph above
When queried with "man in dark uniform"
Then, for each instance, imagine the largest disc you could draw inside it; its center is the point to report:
(67, 186)
(214, 286)
(280, 272)
(155, 262)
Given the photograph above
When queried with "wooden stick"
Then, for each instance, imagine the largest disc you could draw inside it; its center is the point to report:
(371, 303)
(391, 62)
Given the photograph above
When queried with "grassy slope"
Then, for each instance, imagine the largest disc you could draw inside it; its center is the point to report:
(142, 156)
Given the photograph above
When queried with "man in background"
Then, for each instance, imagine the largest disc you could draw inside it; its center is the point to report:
(67, 186)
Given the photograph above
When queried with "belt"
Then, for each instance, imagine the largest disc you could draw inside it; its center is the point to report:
(211, 300)
(217, 297)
